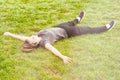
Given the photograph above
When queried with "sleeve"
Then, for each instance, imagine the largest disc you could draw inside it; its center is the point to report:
(42, 43)
(46, 38)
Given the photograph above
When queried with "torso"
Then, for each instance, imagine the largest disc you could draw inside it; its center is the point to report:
(51, 35)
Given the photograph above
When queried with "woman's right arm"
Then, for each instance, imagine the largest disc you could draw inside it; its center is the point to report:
(22, 38)
(65, 59)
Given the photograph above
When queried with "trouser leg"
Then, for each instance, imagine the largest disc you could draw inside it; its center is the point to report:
(73, 22)
(88, 30)
(70, 23)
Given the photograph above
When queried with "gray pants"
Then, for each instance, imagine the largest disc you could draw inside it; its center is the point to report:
(73, 30)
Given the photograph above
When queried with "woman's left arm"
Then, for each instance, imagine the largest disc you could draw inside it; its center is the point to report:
(22, 38)
(65, 59)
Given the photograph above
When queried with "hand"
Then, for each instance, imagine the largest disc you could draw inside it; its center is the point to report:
(7, 33)
(66, 59)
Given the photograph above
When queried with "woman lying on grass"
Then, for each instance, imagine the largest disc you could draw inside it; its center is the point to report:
(46, 38)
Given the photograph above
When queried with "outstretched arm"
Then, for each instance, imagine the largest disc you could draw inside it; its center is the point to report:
(22, 38)
(65, 59)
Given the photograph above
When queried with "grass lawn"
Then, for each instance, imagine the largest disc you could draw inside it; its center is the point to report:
(95, 57)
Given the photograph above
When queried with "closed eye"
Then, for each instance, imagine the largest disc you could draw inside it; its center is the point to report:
(34, 43)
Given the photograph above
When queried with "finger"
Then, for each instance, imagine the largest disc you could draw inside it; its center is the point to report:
(66, 62)
(70, 61)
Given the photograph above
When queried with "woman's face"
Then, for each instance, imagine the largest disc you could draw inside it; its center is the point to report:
(33, 40)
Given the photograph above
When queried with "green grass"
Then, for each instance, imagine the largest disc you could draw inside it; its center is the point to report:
(95, 57)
